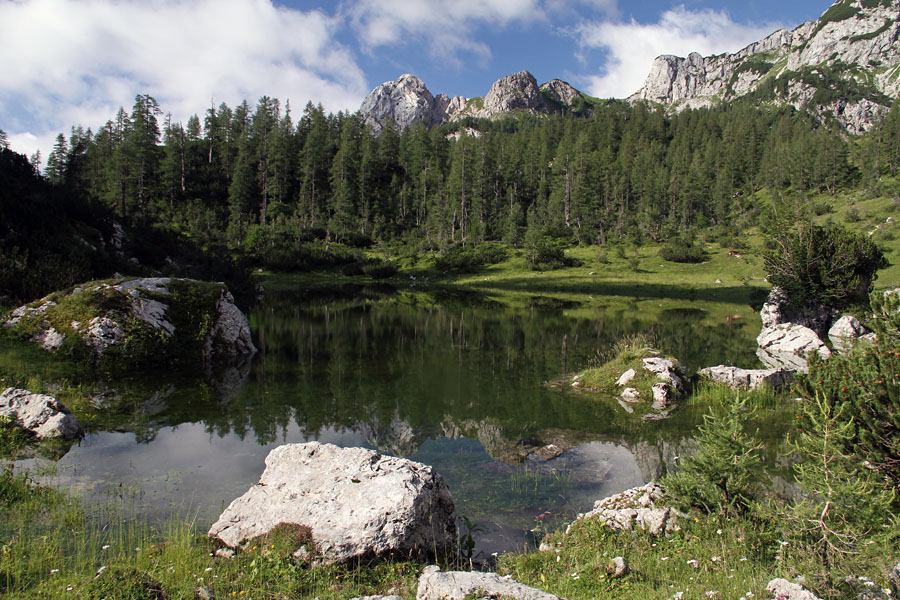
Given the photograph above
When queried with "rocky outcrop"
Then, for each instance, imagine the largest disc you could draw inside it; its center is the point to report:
(458, 585)
(788, 346)
(41, 414)
(748, 378)
(407, 101)
(782, 589)
(778, 310)
(158, 320)
(561, 92)
(855, 43)
(633, 508)
(356, 503)
(845, 332)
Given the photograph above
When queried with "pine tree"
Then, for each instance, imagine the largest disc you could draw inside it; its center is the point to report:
(56, 162)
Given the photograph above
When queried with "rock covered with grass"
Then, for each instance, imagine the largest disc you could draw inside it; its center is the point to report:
(737, 377)
(149, 321)
(355, 503)
(635, 508)
(636, 374)
(41, 414)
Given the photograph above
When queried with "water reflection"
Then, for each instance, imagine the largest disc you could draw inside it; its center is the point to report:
(455, 380)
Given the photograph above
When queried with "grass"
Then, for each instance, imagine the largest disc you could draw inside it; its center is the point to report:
(626, 354)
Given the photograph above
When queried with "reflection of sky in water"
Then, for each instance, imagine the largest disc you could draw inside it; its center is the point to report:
(187, 471)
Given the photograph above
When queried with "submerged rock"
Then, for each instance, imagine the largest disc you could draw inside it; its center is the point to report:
(41, 414)
(158, 320)
(458, 585)
(749, 378)
(356, 504)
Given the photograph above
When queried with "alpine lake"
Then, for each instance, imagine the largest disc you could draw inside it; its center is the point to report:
(474, 384)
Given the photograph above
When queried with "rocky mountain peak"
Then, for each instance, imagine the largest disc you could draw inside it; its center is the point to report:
(518, 91)
(560, 91)
(853, 50)
(404, 101)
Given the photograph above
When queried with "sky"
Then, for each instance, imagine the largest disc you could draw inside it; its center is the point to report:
(75, 62)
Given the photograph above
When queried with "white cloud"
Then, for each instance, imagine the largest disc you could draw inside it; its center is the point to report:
(631, 47)
(71, 62)
(448, 28)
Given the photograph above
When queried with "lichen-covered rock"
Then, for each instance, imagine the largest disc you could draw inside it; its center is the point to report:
(788, 346)
(158, 320)
(634, 508)
(749, 378)
(41, 414)
(458, 585)
(355, 502)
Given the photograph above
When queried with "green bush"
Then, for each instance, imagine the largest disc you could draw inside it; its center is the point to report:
(545, 253)
(827, 265)
(460, 258)
(682, 250)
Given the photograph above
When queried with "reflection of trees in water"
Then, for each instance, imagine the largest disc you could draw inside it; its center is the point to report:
(348, 359)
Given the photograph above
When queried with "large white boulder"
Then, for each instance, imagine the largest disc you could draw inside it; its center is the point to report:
(39, 413)
(845, 332)
(357, 504)
(788, 346)
(635, 508)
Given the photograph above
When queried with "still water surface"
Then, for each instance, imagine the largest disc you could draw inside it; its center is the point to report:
(458, 381)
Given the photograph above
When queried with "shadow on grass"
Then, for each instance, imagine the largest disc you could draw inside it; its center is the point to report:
(749, 295)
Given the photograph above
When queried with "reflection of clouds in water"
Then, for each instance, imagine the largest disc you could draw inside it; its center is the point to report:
(184, 468)
(599, 469)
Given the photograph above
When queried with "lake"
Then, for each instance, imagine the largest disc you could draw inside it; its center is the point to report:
(477, 387)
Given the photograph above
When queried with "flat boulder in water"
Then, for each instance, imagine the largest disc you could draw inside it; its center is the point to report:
(355, 504)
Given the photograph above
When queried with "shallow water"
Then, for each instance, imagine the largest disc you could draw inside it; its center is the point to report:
(464, 383)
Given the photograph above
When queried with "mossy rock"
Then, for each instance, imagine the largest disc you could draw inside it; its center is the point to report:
(137, 322)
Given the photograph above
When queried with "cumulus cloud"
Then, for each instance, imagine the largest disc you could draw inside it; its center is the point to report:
(71, 62)
(630, 47)
(448, 29)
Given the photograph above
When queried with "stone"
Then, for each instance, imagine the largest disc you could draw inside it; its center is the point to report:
(631, 395)
(357, 504)
(778, 310)
(845, 332)
(668, 371)
(141, 314)
(736, 377)
(788, 346)
(663, 396)
(561, 92)
(458, 585)
(518, 91)
(618, 567)
(41, 414)
(866, 37)
(634, 508)
(626, 377)
(782, 589)
(403, 102)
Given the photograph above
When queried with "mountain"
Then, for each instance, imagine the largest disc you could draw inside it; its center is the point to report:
(845, 66)
(407, 101)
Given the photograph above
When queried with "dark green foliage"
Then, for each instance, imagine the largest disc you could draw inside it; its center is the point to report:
(377, 269)
(827, 265)
(844, 510)
(544, 253)
(122, 583)
(719, 478)
(460, 258)
(839, 11)
(683, 250)
(867, 381)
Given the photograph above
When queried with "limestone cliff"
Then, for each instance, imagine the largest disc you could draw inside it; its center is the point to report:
(845, 65)
(407, 101)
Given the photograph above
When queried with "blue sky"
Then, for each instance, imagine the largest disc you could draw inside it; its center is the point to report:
(69, 62)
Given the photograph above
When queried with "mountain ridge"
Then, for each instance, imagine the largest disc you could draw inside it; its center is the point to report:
(843, 66)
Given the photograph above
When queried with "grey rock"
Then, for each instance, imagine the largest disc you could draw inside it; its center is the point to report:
(631, 395)
(778, 310)
(749, 378)
(230, 333)
(634, 508)
(618, 567)
(404, 101)
(356, 502)
(39, 413)
(457, 585)
(626, 377)
(845, 332)
(788, 346)
(782, 589)
(668, 371)
(560, 91)
(663, 396)
(518, 91)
